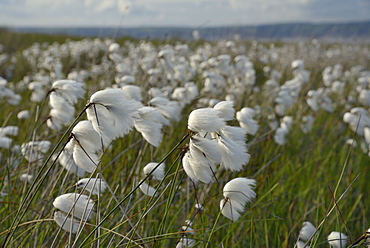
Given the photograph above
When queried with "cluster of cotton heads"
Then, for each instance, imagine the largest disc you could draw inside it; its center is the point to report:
(283, 130)
(111, 114)
(75, 209)
(8, 94)
(34, 151)
(225, 71)
(63, 95)
(5, 141)
(358, 120)
(308, 230)
(213, 143)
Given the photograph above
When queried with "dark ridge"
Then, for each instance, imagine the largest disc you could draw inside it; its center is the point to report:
(354, 31)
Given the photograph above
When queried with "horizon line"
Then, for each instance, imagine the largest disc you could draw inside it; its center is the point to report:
(190, 27)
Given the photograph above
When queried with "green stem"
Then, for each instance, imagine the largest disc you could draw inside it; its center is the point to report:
(169, 202)
(36, 184)
(133, 190)
(151, 199)
(213, 229)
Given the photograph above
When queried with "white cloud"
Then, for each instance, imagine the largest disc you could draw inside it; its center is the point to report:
(105, 5)
(191, 13)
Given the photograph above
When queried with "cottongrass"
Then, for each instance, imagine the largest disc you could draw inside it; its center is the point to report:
(218, 150)
(94, 185)
(237, 192)
(337, 239)
(77, 205)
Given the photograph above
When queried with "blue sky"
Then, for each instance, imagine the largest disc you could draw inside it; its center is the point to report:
(188, 13)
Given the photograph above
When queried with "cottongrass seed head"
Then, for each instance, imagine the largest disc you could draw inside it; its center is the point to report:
(79, 206)
(66, 223)
(205, 120)
(337, 239)
(158, 173)
(94, 185)
(112, 113)
(306, 231)
(237, 192)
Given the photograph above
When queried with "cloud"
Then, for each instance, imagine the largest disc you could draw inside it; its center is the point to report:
(191, 13)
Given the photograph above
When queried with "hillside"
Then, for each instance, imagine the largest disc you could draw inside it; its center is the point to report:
(356, 31)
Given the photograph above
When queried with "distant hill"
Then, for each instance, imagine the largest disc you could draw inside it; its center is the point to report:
(355, 31)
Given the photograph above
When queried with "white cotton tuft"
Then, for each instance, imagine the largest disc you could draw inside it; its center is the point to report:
(66, 160)
(150, 124)
(87, 137)
(186, 164)
(85, 160)
(301, 244)
(70, 90)
(158, 173)
(228, 210)
(200, 161)
(59, 117)
(5, 142)
(240, 191)
(81, 205)
(86, 146)
(367, 135)
(306, 231)
(94, 185)
(246, 121)
(307, 123)
(337, 240)
(280, 136)
(170, 109)
(202, 168)
(111, 113)
(225, 110)
(152, 114)
(34, 151)
(63, 95)
(185, 243)
(236, 134)
(205, 120)
(187, 230)
(9, 130)
(66, 223)
(59, 102)
(26, 178)
(207, 146)
(151, 131)
(147, 189)
(133, 92)
(24, 114)
(234, 154)
(237, 192)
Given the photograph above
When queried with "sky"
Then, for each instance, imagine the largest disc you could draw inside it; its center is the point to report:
(178, 13)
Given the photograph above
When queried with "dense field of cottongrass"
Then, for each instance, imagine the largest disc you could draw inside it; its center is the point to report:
(110, 143)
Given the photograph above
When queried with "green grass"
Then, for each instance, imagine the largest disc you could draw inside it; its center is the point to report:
(294, 182)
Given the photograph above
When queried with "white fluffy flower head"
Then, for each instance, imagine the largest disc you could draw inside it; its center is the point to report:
(158, 173)
(79, 206)
(205, 120)
(237, 192)
(94, 185)
(337, 240)
(111, 113)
